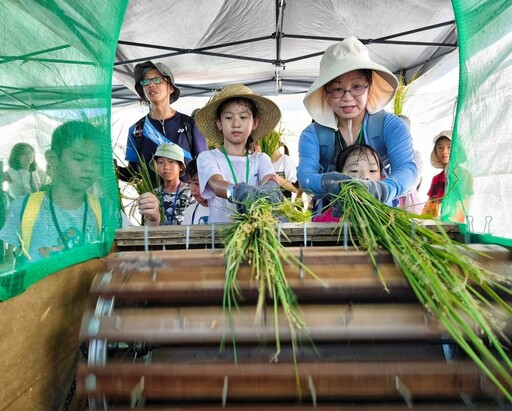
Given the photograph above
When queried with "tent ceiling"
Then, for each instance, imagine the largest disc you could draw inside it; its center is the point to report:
(272, 45)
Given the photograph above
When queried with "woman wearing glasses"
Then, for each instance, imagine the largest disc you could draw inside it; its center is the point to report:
(155, 85)
(346, 102)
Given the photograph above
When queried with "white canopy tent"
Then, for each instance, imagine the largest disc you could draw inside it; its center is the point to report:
(275, 47)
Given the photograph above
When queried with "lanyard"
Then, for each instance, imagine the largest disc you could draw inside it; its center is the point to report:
(194, 213)
(176, 198)
(56, 223)
(231, 166)
(359, 139)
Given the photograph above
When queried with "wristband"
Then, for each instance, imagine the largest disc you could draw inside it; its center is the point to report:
(274, 179)
(230, 193)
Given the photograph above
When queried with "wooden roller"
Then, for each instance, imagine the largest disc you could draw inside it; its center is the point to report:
(154, 336)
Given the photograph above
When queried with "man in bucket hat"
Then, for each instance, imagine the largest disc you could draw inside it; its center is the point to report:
(346, 102)
(154, 83)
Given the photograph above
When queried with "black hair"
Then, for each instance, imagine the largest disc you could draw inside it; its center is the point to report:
(360, 149)
(66, 134)
(285, 147)
(191, 169)
(16, 152)
(368, 74)
(243, 101)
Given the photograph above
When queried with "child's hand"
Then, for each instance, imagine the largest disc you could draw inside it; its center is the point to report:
(149, 208)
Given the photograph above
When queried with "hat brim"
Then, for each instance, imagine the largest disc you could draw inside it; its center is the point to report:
(160, 154)
(380, 93)
(141, 69)
(433, 156)
(269, 116)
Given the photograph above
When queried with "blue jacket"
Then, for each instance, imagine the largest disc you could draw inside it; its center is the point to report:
(398, 142)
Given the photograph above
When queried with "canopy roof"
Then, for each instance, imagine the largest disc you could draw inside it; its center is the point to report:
(272, 45)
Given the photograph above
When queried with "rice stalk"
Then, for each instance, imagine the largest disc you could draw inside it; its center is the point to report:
(252, 238)
(141, 182)
(447, 282)
(271, 142)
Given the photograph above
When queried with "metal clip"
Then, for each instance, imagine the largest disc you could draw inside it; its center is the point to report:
(213, 238)
(347, 316)
(345, 236)
(312, 390)
(136, 394)
(305, 235)
(225, 392)
(301, 266)
(403, 391)
(90, 382)
(187, 237)
(146, 239)
(279, 232)
(487, 226)
(468, 236)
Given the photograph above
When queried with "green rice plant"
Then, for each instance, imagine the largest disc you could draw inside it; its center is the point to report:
(253, 238)
(400, 95)
(141, 182)
(448, 283)
(271, 142)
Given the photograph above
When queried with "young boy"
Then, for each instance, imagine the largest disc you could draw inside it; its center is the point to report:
(230, 175)
(175, 196)
(359, 161)
(198, 212)
(64, 216)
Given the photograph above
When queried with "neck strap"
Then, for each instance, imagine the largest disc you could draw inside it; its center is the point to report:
(231, 165)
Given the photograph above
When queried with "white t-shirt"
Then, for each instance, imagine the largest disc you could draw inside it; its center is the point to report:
(213, 162)
(196, 214)
(285, 167)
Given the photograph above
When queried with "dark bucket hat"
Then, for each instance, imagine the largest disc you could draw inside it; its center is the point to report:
(142, 68)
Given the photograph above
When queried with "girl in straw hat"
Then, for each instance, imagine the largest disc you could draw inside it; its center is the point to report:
(349, 91)
(229, 175)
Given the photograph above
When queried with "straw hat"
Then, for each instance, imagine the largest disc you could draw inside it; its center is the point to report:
(340, 58)
(433, 157)
(171, 151)
(142, 68)
(269, 113)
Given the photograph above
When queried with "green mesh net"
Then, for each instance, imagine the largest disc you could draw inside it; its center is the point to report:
(55, 97)
(56, 70)
(480, 173)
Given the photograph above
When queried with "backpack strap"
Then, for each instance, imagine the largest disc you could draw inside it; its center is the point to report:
(30, 210)
(94, 203)
(187, 123)
(329, 150)
(375, 135)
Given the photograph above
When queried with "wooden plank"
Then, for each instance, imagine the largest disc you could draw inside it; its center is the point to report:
(380, 405)
(39, 339)
(198, 275)
(205, 235)
(202, 325)
(348, 380)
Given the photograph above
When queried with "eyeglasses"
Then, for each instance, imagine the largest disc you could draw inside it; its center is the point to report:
(355, 91)
(155, 80)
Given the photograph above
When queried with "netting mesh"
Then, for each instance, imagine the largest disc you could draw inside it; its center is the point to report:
(480, 173)
(56, 68)
(55, 91)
